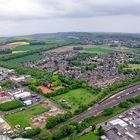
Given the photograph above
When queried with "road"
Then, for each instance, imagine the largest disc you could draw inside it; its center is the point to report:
(110, 102)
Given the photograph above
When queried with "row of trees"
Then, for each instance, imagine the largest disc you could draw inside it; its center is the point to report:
(69, 129)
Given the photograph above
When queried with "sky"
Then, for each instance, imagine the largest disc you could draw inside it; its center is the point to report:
(21, 17)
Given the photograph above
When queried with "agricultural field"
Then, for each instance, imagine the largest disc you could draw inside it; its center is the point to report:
(23, 118)
(76, 97)
(90, 136)
(98, 50)
(134, 66)
(19, 43)
(28, 47)
(26, 58)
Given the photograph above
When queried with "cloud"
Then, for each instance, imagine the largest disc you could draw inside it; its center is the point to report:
(46, 9)
(19, 17)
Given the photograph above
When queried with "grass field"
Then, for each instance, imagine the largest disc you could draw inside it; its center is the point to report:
(134, 66)
(28, 47)
(76, 98)
(98, 50)
(26, 58)
(89, 136)
(24, 118)
(10, 105)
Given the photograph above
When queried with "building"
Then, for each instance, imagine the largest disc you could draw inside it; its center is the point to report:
(27, 102)
(23, 95)
(136, 122)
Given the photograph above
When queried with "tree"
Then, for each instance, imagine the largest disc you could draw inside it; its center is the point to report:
(93, 127)
(31, 133)
(124, 104)
(101, 131)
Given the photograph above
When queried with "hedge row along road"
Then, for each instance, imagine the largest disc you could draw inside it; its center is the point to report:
(110, 102)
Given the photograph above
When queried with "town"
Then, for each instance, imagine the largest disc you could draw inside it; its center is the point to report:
(72, 89)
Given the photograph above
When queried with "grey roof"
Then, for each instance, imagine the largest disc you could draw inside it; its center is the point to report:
(136, 121)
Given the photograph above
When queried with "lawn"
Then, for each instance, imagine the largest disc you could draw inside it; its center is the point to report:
(89, 136)
(10, 105)
(26, 58)
(77, 97)
(24, 118)
(98, 50)
(134, 66)
(28, 47)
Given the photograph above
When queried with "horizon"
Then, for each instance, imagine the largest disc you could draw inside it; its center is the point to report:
(41, 33)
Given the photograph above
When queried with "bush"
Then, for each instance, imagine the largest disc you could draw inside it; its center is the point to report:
(124, 104)
(31, 133)
(108, 111)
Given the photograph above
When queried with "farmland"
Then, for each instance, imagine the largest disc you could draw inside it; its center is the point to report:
(28, 47)
(98, 50)
(23, 118)
(76, 98)
(134, 66)
(25, 58)
(19, 43)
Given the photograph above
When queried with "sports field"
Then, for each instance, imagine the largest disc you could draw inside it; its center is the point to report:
(76, 97)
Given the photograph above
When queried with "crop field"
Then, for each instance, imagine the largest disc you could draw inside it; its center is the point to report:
(76, 97)
(25, 58)
(17, 52)
(134, 66)
(24, 118)
(98, 50)
(28, 47)
(19, 43)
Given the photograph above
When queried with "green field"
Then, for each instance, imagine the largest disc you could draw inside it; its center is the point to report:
(24, 118)
(89, 136)
(25, 58)
(10, 105)
(98, 50)
(134, 66)
(28, 47)
(76, 98)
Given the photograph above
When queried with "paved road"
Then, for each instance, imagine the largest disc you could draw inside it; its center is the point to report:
(110, 102)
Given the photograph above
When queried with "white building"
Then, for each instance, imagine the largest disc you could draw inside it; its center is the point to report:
(22, 95)
(27, 102)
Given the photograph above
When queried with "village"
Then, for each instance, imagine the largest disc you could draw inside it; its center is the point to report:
(101, 70)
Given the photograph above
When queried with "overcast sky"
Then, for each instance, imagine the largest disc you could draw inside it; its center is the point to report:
(18, 17)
